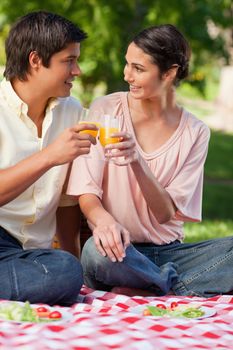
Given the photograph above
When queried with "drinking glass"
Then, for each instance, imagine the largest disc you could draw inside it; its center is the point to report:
(86, 118)
(89, 118)
(109, 125)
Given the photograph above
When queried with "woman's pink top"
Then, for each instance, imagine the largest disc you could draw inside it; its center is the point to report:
(177, 165)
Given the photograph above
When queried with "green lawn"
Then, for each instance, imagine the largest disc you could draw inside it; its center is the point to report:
(208, 229)
(218, 192)
(219, 163)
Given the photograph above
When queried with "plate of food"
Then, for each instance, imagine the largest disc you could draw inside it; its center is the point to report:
(19, 312)
(188, 311)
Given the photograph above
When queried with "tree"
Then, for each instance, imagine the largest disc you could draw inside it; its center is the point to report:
(110, 26)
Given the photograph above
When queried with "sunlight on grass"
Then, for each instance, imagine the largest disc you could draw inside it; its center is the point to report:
(208, 229)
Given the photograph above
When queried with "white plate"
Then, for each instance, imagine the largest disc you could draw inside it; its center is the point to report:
(208, 312)
(66, 316)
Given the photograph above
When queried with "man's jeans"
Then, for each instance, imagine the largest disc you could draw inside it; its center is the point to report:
(202, 269)
(49, 276)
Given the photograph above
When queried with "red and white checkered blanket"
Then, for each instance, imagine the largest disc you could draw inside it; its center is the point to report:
(103, 321)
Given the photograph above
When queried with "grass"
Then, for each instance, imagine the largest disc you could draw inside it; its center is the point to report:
(217, 193)
(219, 163)
(208, 229)
(218, 185)
(217, 201)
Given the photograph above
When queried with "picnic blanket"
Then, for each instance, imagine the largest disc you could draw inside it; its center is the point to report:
(103, 321)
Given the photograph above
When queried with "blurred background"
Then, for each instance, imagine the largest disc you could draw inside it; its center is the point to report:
(208, 92)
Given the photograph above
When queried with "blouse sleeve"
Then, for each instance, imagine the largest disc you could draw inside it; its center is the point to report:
(186, 187)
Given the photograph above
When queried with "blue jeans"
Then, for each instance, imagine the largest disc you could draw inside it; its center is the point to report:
(50, 276)
(201, 269)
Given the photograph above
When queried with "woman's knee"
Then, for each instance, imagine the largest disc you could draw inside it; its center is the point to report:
(91, 258)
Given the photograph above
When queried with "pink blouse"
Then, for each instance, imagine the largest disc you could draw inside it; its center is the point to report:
(178, 166)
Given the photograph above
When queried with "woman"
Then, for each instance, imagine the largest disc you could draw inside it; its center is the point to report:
(137, 202)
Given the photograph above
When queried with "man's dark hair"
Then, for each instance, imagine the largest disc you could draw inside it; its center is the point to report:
(44, 32)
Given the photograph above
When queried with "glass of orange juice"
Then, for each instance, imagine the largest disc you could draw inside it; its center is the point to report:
(109, 126)
(93, 133)
(86, 119)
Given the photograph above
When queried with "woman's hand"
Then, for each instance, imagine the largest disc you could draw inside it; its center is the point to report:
(111, 240)
(124, 152)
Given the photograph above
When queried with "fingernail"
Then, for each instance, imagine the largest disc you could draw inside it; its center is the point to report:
(113, 260)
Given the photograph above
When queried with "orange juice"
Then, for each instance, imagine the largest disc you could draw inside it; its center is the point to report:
(93, 133)
(104, 136)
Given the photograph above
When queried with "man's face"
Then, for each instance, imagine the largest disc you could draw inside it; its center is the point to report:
(56, 80)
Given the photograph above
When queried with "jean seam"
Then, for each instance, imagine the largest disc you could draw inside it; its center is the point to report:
(12, 273)
(208, 269)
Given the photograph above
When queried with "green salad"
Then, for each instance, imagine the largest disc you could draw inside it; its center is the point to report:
(24, 312)
(14, 311)
(179, 311)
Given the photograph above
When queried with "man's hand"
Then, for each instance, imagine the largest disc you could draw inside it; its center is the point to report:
(111, 240)
(70, 144)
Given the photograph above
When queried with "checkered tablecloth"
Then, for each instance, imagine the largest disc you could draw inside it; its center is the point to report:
(103, 321)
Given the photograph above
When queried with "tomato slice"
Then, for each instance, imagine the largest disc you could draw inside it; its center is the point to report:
(55, 314)
(161, 306)
(173, 305)
(42, 309)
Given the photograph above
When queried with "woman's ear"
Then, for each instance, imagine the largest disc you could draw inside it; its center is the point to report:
(34, 60)
(171, 73)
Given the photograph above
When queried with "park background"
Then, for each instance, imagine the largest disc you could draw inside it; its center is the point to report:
(208, 92)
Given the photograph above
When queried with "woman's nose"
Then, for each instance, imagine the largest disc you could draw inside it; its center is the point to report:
(127, 74)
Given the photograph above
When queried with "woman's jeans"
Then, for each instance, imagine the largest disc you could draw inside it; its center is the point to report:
(50, 276)
(202, 269)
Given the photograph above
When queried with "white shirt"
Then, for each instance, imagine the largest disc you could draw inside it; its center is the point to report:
(31, 217)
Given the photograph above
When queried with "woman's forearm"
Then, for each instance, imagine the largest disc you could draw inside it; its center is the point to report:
(93, 209)
(157, 198)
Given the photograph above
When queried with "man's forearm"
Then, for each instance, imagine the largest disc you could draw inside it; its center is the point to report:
(16, 179)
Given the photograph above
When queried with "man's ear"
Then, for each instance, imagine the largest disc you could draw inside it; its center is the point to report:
(34, 60)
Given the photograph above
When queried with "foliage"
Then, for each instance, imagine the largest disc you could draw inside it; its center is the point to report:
(111, 24)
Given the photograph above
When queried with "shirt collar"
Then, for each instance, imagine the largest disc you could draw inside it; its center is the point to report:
(14, 101)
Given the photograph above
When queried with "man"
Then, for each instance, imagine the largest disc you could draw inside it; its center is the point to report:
(39, 138)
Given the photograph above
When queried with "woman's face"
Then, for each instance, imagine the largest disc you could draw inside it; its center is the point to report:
(144, 77)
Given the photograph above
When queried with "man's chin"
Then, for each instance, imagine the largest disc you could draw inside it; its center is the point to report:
(64, 94)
